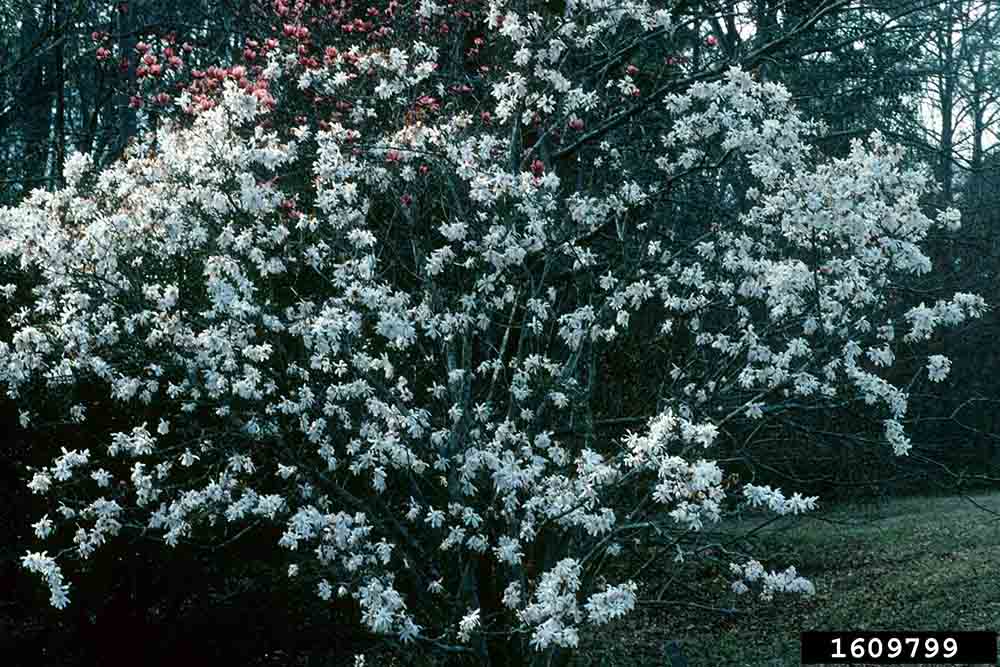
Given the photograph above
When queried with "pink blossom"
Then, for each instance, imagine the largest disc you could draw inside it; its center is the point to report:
(264, 97)
(428, 102)
(204, 103)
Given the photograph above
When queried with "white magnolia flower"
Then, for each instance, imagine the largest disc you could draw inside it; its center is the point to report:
(468, 625)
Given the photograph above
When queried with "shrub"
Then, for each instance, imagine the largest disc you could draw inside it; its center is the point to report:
(363, 294)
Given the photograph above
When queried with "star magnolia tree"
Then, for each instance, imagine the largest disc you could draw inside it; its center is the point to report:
(359, 294)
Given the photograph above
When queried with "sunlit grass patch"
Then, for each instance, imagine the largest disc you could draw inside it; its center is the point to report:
(909, 564)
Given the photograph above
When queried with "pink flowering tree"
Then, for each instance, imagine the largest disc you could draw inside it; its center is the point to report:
(361, 290)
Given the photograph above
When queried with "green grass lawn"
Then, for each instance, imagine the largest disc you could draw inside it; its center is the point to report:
(910, 564)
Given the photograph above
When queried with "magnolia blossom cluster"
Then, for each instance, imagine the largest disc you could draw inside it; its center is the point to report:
(377, 329)
(753, 573)
(46, 567)
(554, 612)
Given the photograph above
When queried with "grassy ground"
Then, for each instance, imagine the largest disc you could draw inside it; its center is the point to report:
(910, 564)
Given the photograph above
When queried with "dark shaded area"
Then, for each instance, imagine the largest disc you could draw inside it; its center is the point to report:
(144, 603)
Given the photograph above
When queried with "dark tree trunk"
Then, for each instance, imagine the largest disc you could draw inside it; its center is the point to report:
(127, 124)
(34, 103)
(59, 74)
